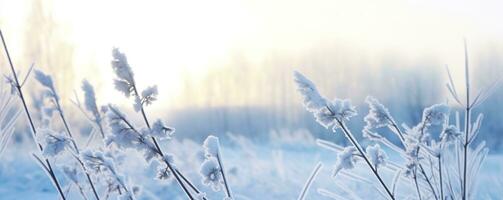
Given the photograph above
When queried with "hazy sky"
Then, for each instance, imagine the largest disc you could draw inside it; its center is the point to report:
(169, 41)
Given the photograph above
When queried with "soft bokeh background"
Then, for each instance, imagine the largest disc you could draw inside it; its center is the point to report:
(226, 65)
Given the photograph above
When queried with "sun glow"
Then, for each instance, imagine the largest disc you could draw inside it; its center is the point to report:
(171, 42)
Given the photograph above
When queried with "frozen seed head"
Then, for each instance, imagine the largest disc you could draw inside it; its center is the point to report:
(345, 160)
(161, 131)
(336, 110)
(90, 100)
(125, 77)
(378, 114)
(450, 134)
(436, 114)
(54, 143)
(211, 146)
(96, 161)
(121, 66)
(312, 99)
(210, 172)
(120, 134)
(376, 155)
(46, 81)
(149, 95)
(125, 87)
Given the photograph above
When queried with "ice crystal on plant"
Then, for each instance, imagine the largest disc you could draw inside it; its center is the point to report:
(149, 95)
(44, 79)
(90, 100)
(450, 134)
(161, 131)
(334, 111)
(96, 161)
(346, 159)
(163, 173)
(376, 155)
(121, 134)
(99, 163)
(378, 114)
(211, 146)
(121, 66)
(54, 143)
(312, 99)
(123, 87)
(47, 82)
(435, 114)
(210, 172)
(125, 136)
(125, 76)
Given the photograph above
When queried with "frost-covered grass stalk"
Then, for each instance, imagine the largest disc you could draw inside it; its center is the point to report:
(50, 92)
(17, 90)
(7, 121)
(438, 163)
(334, 114)
(92, 107)
(103, 164)
(212, 169)
(126, 136)
(309, 181)
(470, 130)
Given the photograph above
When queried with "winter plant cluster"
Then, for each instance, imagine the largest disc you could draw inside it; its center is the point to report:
(436, 158)
(439, 157)
(93, 169)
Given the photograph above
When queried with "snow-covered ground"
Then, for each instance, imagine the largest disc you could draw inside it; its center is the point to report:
(256, 171)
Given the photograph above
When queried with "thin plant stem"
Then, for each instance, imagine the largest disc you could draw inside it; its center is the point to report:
(68, 131)
(467, 123)
(357, 146)
(34, 130)
(440, 176)
(402, 140)
(417, 186)
(191, 185)
(227, 190)
(309, 181)
(428, 181)
(158, 150)
(145, 119)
